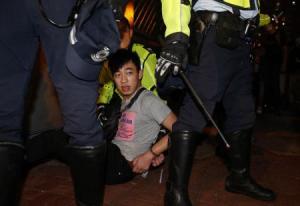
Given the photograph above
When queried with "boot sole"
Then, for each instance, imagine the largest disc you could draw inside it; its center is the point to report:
(249, 194)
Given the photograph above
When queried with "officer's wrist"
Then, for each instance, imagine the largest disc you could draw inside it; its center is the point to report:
(177, 37)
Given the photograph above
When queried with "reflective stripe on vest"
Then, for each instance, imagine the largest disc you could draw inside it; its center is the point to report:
(241, 4)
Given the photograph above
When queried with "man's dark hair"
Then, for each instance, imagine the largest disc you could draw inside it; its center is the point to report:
(121, 57)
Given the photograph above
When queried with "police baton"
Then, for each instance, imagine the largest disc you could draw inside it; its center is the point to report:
(200, 102)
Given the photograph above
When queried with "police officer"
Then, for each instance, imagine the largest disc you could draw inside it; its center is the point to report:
(222, 74)
(73, 57)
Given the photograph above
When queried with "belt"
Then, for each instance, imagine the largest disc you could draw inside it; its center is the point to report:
(211, 17)
(208, 17)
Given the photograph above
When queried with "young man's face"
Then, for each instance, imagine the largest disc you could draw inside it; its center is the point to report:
(127, 79)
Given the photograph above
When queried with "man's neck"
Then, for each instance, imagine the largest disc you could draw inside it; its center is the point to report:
(127, 99)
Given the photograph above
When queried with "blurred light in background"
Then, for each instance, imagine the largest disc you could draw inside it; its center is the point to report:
(129, 12)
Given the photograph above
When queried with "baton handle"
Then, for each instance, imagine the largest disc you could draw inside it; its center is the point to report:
(199, 101)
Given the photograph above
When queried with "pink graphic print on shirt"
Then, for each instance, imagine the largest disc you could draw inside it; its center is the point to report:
(126, 126)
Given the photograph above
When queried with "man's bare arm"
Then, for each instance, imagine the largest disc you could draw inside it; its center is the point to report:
(153, 156)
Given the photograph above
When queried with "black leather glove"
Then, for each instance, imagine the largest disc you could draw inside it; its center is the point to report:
(172, 56)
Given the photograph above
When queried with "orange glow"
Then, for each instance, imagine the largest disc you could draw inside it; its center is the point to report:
(129, 12)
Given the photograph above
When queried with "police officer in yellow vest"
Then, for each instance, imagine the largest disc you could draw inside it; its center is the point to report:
(219, 69)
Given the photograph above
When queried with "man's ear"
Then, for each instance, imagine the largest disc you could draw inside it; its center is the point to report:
(140, 74)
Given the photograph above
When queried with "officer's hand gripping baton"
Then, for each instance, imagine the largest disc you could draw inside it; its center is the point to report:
(199, 101)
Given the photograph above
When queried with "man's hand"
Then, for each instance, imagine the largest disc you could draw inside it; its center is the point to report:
(172, 56)
(158, 160)
(142, 162)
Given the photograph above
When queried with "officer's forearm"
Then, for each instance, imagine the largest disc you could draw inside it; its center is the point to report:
(176, 15)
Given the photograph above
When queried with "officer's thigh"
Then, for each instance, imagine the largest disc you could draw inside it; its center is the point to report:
(77, 97)
(18, 47)
(205, 80)
(238, 100)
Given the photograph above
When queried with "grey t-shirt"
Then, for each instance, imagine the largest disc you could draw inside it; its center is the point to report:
(140, 124)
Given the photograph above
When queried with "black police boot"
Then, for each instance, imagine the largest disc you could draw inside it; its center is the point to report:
(11, 172)
(87, 166)
(239, 179)
(181, 152)
(47, 145)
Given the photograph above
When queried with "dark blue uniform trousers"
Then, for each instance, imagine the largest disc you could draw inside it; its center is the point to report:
(22, 28)
(224, 76)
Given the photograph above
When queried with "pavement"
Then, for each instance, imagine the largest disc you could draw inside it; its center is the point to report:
(275, 164)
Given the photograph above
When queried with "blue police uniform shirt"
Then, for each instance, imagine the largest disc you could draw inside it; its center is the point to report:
(211, 5)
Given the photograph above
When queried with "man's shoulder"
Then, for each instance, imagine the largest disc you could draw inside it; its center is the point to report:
(148, 95)
(149, 99)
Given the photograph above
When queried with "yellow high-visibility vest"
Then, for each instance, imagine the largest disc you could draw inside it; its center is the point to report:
(148, 63)
(176, 15)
